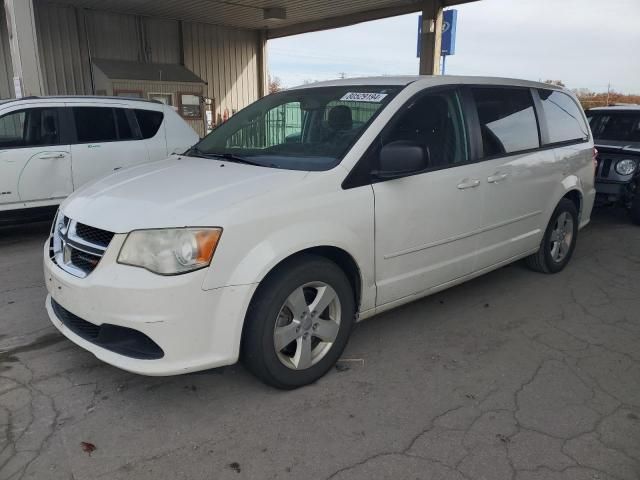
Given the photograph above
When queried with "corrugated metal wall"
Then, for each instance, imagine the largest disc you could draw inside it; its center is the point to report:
(162, 38)
(226, 59)
(6, 68)
(64, 52)
(114, 36)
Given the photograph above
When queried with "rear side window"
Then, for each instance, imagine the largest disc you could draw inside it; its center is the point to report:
(149, 121)
(564, 118)
(507, 120)
(95, 124)
(30, 128)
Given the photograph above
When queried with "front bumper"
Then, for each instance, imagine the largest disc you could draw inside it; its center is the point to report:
(196, 329)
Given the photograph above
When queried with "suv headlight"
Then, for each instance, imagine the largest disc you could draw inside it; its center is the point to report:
(170, 251)
(626, 167)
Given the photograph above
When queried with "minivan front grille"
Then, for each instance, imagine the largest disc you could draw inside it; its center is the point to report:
(77, 248)
(94, 235)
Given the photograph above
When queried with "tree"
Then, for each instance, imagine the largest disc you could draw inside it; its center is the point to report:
(558, 83)
(275, 84)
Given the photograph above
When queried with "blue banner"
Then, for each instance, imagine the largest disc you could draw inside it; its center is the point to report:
(449, 21)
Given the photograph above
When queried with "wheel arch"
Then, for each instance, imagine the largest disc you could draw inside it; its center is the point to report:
(575, 196)
(343, 259)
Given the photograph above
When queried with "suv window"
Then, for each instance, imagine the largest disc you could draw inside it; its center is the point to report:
(615, 126)
(507, 120)
(95, 124)
(564, 118)
(30, 128)
(435, 122)
(125, 132)
(149, 121)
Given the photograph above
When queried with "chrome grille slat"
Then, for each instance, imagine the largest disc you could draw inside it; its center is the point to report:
(71, 247)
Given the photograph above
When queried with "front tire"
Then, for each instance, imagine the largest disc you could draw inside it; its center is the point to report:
(559, 240)
(298, 323)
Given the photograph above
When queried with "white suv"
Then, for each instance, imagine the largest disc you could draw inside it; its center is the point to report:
(314, 208)
(50, 146)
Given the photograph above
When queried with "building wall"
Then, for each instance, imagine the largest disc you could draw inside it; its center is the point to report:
(225, 58)
(64, 51)
(114, 36)
(162, 40)
(6, 68)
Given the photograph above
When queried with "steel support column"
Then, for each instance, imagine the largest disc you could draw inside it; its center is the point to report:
(431, 38)
(23, 42)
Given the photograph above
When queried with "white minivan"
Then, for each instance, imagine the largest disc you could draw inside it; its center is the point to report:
(50, 146)
(312, 209)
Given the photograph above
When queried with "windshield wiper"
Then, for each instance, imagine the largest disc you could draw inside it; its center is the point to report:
(230, 157)
(196, 152)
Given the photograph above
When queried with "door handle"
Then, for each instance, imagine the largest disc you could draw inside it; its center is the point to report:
(468, 184)
(52, 156)
(498, 177)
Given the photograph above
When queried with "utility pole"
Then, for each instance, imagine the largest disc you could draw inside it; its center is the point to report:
(342, 75)
(608, 92)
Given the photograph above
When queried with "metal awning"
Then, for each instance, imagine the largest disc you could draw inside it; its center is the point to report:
(278, 17)
(159, 72)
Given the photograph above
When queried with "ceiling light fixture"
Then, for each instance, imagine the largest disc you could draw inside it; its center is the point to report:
(274, 13)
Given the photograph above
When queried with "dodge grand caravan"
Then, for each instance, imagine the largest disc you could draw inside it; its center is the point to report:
(312, 209)
(50, 146)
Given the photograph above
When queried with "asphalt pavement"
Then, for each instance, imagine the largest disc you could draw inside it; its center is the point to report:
(514, 375)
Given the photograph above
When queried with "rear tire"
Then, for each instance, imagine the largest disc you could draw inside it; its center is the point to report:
(298, 323)
(559, 240)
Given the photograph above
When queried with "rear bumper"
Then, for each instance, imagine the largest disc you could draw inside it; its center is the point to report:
(194, 329)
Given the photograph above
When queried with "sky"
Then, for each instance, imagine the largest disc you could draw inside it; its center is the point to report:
(584, 43)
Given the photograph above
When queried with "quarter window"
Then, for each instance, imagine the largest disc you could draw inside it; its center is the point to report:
(95, 124)
(507, 120)
(30, 128)
(565, 121)
(149, 122)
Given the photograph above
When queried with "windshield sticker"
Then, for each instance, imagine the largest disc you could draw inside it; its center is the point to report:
(363, 97)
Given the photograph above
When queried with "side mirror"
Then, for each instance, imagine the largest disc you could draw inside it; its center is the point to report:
(401, 158)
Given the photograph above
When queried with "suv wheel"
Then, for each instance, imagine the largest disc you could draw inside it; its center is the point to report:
(559, 240)
(298, 323)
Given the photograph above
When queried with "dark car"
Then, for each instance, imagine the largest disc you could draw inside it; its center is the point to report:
(616, 131)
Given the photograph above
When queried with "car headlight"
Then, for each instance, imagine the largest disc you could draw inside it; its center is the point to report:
(170, 251)
(626, 167)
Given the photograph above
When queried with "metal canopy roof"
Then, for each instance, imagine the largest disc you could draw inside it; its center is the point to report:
(300, 15)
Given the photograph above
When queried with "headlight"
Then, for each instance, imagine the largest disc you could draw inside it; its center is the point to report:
(626, 167)
(170, 251)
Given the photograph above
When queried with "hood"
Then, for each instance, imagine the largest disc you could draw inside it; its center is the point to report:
(177, 192)
(612, 145)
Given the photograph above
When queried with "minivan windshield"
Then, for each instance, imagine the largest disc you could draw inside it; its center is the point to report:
(300, 129)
